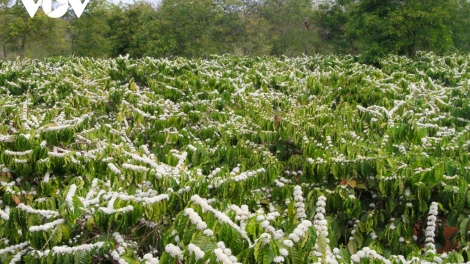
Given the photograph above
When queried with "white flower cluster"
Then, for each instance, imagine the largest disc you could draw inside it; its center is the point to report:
(17, 153)
(282, 180)
(370, 254)
(321, 226)
(243, 212)
(110, 208)
(247, 174)
(198, 253)
(181, 159)
(300, 231)
(68, 250)
(299, 205)
(319, 222)
(329, 142)
(150, 259)
(351, 237)
(45, 213)
(6, 138)
(113, 168)
(120, 210)
(195, 219)
(46, 176)
(146, 200)
(117, 252)
(70, 194)
(117, 256)
(183, 190)
(56, 154)
(174, 251)
(196, 199)
(430, 228)
(192, 148)
(279, 183)
(46, 226)
(265, 239)
(88, 201)
(224, 254)
(373, 235)
(4, 215)
(208, 232)
(20, 161)
(12, 249)
(384, 141)
(402, 149)
(150, 224)
(134, 167)
(279, 233)
(17, 257)
(445, 131)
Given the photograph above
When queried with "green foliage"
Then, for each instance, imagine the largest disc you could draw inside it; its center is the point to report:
(172, 159)
(196, 29)
(22, 35)
(401, 27)
(88, 33)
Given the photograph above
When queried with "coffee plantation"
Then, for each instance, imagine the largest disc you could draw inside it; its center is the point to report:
(235, 160)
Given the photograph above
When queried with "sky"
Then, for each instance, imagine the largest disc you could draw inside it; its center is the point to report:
(131, 1)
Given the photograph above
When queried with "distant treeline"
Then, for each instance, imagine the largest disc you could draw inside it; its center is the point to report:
(198, 28)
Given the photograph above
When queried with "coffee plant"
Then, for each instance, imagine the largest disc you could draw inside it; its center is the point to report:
(235, 160)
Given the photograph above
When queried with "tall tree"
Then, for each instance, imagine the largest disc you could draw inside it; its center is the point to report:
(190, 28)
(126, 26)
(19, 31)
(330, 23)
(401, 26)
(252, 31)
(460, 23)
(290, 26)
(88, 34)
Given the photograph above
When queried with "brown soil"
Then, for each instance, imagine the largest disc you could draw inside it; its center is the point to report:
(448, 232)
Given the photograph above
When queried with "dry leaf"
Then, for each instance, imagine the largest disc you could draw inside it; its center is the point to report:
(351, 183)
(16, 199)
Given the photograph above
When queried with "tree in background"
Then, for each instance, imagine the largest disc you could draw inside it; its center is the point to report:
(290, 26)
(88, 34)
(126, 24)
(198, 28)
(330, 22)
(460, 23)
(191, 28)
(422, 25)
(252, 34)
(34, 37)
(401, 27)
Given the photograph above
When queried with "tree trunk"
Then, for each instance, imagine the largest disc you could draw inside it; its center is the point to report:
(23, 44)
(353, 52)
(245, 51)
(5, 50)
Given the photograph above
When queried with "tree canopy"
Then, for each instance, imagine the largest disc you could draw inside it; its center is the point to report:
(190, 28)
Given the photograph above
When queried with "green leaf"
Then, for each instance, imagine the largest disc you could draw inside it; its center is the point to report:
(266, 255)
(82, 257)
(65, 232)
(322, 244)
(188, 234)
(463, 230)
(352, 247)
